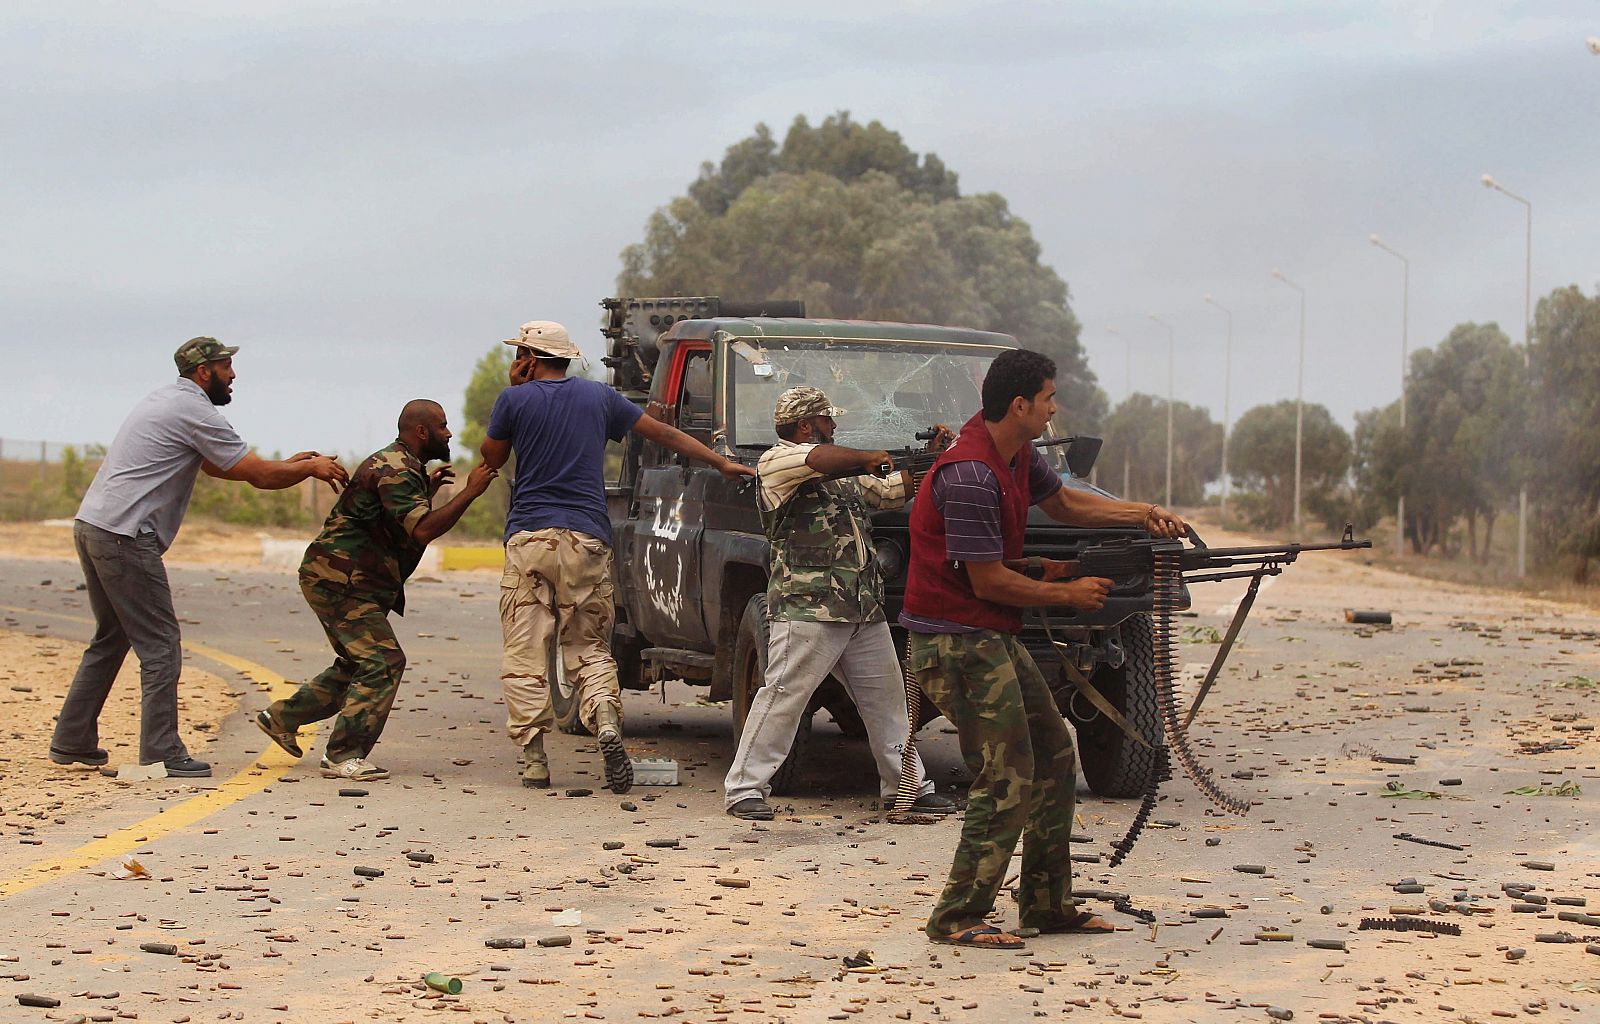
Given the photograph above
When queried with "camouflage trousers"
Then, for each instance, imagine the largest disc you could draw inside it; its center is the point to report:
(556, 592)
(1020, 753)
(361, 684)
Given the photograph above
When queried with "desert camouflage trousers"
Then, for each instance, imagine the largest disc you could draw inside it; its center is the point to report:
(1020, 753)
(361, 684)
(556, 592)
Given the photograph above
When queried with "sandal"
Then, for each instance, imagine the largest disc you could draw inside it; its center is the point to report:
(1080, 923)
(984, 936)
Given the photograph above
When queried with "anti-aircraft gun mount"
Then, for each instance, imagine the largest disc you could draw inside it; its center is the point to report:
(633, 327)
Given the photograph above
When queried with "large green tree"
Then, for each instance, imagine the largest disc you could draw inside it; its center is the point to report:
(1136, 438)
(1261, 460)
(846, 217)
(1564, 449)
(1459, 456)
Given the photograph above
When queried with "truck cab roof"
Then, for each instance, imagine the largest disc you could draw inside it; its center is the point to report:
(774, 328)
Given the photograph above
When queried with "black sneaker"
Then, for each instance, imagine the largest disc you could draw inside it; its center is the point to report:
(619, 767)
(752, 808)
(284, 738)
(187, 768)
(935, 803)
(94, 758)
(928, 803)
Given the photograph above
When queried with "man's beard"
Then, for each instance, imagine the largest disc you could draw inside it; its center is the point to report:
(217, 391)
(436, 450)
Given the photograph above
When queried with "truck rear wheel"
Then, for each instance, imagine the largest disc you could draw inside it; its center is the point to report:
(1114, 764)
(749, 674)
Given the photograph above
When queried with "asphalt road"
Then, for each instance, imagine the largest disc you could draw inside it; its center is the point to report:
(704, 917)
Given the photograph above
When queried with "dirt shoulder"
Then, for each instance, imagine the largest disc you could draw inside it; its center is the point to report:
(34, 674)
(220, 545)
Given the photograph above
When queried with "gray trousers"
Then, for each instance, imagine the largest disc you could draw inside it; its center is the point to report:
(132, 605)
(800, 655)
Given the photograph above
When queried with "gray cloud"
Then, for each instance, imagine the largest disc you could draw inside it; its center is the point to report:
(368, 197)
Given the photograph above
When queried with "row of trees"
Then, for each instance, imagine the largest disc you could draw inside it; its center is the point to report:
(1484, 418)
(1481, 419)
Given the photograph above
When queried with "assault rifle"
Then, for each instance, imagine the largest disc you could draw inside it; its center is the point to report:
(1081, 453)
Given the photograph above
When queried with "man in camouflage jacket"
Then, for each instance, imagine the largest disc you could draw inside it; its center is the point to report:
(824, 603)
(354, 574)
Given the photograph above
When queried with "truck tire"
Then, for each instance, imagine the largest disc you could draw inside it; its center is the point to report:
(749, 673)
(630, 667)
(1114, 765)
(564, 695)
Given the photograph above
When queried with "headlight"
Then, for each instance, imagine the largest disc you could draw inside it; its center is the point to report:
(891, 558)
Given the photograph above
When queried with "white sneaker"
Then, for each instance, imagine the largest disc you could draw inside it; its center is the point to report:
(357, 769)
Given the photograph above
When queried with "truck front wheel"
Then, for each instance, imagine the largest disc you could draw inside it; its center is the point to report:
(749, 674)
(1114, 764)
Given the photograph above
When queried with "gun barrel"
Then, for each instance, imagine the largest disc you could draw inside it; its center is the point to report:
(1283, 550)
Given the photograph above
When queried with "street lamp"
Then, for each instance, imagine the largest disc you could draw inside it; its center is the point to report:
(1299, 393)
(1227, 420)
(1527, 344)
(1405, 319)
(1170, 362)
(1127, 393)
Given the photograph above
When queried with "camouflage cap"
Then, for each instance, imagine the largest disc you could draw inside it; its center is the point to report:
(196, 352)
(801, 403)
(547, 338)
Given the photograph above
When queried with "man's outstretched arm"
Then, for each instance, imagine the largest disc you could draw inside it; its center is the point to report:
(1085, 508)
(673, 439)
(275, 474)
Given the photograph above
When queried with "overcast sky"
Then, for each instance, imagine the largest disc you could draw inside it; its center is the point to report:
(367, 197)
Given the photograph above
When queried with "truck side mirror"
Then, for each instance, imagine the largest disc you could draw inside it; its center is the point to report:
(1081, 453)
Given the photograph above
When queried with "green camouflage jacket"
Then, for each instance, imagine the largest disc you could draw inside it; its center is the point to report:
(366, 545)
(823, 568)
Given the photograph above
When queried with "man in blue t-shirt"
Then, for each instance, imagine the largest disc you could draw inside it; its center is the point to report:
(558, 541)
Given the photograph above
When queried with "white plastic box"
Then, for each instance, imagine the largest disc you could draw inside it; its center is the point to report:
(655, 771)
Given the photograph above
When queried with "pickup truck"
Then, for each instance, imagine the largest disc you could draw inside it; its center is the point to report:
(691, 555)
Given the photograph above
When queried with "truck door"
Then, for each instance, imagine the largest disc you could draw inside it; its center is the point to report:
(671, 508)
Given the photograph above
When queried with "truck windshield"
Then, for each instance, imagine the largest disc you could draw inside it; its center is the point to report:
(888, 390)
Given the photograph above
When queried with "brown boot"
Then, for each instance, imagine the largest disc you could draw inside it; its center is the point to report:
(535, 765)
(608, 730)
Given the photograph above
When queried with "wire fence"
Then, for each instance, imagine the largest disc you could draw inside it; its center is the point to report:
(14, 449)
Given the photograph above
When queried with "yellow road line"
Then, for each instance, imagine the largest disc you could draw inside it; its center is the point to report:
(246, 782)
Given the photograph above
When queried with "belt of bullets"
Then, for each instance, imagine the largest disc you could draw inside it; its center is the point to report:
(906, 793)
(1410, 924)
(1168, 598)
(1168, 595)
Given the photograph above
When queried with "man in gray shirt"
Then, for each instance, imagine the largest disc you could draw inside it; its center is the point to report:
(127, 520)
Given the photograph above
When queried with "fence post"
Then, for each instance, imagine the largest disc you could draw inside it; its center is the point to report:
(43, 453)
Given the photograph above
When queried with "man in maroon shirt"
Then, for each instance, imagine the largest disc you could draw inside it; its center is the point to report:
(963, 607)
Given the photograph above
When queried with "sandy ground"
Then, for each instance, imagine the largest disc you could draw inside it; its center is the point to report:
(34, 674)
(198, 543)
(699, 917)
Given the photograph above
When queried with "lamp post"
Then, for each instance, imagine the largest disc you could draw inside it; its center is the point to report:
(1170, 362)
(1127, 393)
(1405, 319)
(1299, 394)
(1227, 419)
(1527, 344)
